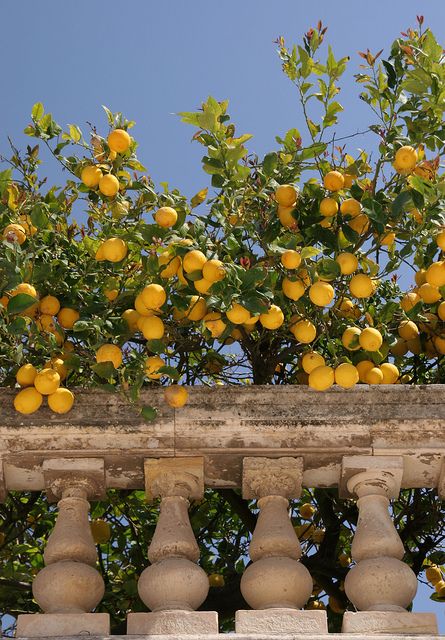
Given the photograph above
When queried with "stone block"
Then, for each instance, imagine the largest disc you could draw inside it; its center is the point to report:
(393, 623)
(89, 473)
(272, 476)
(281, 621)
(48, 625)
(181, 476)
(384, 470)
(172, 623)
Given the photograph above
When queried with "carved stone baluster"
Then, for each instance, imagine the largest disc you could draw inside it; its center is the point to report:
(173, 586)
(380, 585)
(69, 587)
(276, 585)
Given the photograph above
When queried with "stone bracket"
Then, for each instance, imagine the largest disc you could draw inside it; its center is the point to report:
(174, 477)
(272, 476)
(83, 473)
(385, 471)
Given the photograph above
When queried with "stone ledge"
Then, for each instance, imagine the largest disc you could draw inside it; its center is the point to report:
(226, 424)
(255, 636)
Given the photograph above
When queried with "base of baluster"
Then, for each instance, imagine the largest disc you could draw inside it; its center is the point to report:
(390, 623)
(40, 625)
(273, 621)
(172, 623)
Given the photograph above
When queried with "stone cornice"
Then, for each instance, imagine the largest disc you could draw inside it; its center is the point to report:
(226, 424)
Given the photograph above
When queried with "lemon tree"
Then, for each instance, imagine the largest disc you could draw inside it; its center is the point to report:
(318, 264)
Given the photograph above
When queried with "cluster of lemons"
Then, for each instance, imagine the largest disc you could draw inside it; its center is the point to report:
(46, 382)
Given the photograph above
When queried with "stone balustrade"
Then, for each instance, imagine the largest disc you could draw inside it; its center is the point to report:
(267, 441)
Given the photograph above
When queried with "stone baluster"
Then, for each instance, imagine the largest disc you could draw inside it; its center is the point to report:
(173, 586)
(276, 585)
(380, 585)
(69, 587)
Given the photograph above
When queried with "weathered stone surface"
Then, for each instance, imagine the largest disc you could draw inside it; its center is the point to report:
(53, 625)
(260, 636)
(280, 621)
(391, 623)
(226, 424)
(172, 623)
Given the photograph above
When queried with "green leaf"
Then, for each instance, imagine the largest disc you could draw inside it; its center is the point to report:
(171, 372)
(328, 269)
(437, 557)
(156, 346)
(309, 252)
(37, 111)
(269, 163)
(313, 150)
(104, 370)
(400, 203)
(149, 413)
(39, 217)
(20, 302)
(199, 197)
(75, 132)
(5, 179)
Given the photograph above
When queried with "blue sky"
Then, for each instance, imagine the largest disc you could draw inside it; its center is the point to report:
(151, 59)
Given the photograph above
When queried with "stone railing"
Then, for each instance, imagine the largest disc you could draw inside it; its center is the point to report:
(268, 441)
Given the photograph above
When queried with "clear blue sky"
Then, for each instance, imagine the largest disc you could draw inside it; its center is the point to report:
(153, 58)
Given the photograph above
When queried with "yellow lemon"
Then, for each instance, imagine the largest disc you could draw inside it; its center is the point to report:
(370, 339)
(328, 207)
(176, 396)
(321, 293)
(293, 289)
(151, 327)
(408, 330)
(237, 314)
(49, 305)
(170, 263)
(166, 217)
(101, 531)
(109, 353)
(202, 285)
(47, 381)
(311, 360)
(441, 311)
(433, 574)
(197, 309)
(109, 185)
(91, 176)
(67, 317)
(361, 286)
(152, 366)
(24, 287)
(349, 179)
(350, 338)
(14, 233)
(216, 580)
(364, 367)
(359, 224)
(440, 240)
(214, 323)
(435, 274)
(390, 373)
(429, 293)
(304, 331)
(131, 317)
(410, 300)
(193, 261)
(306, 510)
(406, 158)
(321, 378)
(273, 318)
(347, 262)
(399, 348)
(114, 249)
(346, 375)
(141, 308)
(290, 259)
(61, 401)
(333, 181)
(351, 207)
(286, 195)
(214, 270)
(119, 140)
(285, 216)
(153, 296)
(28, 401)
(25, 376)
(58, 365)
(374, 376)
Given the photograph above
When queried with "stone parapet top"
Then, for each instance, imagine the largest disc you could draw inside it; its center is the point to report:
(255, 636)
(226, 424)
